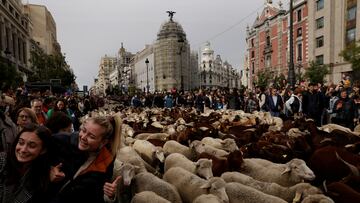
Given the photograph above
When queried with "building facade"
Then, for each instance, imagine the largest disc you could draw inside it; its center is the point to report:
(15, 29)
(107, 65)
(43, 28)
(144, 70)
(214, 73)
(268, 40)
(332, 26)
(172, 58)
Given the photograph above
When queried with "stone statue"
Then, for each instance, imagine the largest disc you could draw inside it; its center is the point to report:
(171, 14)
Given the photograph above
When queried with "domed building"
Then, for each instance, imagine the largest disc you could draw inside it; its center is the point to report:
(172, 58)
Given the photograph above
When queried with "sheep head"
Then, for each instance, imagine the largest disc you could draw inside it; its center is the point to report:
(204, 168)
(159, 154)
(216, 186)
(298, 171)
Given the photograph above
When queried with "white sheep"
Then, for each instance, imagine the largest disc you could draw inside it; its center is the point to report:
(209, 198)
(285, 193)
(144, 197)
(129, 155)
(147, 136)
(173, 146)
(289, 174)
(125, 170)
(149, 152)
(202, 167)
(149, 182)
(227, 144)
(191, 186)
(241, 193)
(202, 147)
(317, 198)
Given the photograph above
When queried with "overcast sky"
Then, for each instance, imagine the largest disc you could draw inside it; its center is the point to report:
(89, 29)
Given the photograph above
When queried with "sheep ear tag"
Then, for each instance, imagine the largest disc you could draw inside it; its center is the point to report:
(287, 169)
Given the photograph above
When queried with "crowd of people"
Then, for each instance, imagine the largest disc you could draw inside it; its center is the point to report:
(48, 155)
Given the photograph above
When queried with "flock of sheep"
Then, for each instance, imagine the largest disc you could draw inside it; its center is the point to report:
(176, 172)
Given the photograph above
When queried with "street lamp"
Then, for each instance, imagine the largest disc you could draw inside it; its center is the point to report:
(247, 77)
(147, 74)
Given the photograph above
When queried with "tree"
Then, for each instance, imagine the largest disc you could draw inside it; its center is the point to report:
(263, 78)
(316, 72)
(351, 54)
(51, 67)
(9, 76)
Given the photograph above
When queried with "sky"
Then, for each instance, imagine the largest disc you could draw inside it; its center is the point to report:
(89, 29)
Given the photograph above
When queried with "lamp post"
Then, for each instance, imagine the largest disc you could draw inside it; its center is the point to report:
(291, 75)
(247, 77)
(147, 75)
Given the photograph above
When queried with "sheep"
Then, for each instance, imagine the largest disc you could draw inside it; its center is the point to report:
(202, 167)
(285, 193)
(227, 144)
(125, 170)
(146, 136)
(129, 155)
(241, 193)
(172, 146)
(289, 174)
(191, 186)
(202, 147)
(144, 197)
(317, 198)
(148, 182)
(148, 151)
(209, 198)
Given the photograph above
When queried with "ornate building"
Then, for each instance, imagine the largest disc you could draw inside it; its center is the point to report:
(172, 57)
(15, 36)
(213, 72)
(267, 40)
(107, 65)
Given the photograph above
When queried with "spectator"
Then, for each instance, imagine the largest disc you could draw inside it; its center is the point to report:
(25, 167)
(345, 109)
(25, 116)
(7, 127)
(293, 105)
(60, 105)
(251, 104)
(274, 103)
(312, 103)
(168, 101)
(36, 106)
(85, 183)
(59, 123)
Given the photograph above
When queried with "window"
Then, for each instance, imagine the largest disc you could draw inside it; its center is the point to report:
(320, 59)
(253, 68)
(268, 61)
(320, 23)
(319, 4)
(351, 13)
(252, 54)
(299, 16)
(299, 32)
(268, 41)
(299, 52)
(319, 41)
(252, 42)
(350, 35)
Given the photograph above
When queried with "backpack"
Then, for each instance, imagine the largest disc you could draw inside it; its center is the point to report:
(295, 106)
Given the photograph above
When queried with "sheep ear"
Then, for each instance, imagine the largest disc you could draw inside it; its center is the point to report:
(297, 197)
(287, 169)
(207, 185)
(197, 164)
